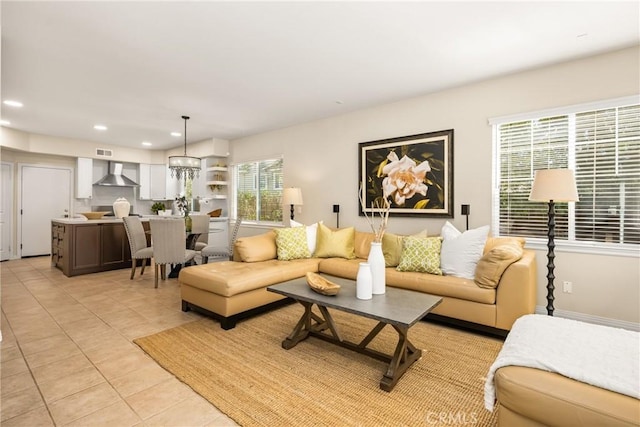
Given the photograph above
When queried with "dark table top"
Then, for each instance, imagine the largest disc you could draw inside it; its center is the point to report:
(401, 307)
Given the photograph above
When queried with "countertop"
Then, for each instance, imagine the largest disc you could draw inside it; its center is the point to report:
(110, 220)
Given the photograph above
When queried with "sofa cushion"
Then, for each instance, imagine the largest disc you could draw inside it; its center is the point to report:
(444, 286)
(492, 264)
(420, 254)
(256, 248)
(291, 243)
(340, 267)
(312, 234)
(492, 242)
(462, 251)
(230, 278)
(392, 247)
(335, 243)
(362, 243)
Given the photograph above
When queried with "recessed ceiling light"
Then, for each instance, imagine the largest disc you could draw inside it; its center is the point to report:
(11, 103)
(100, 127)
(146, 143)
(5, 122)
(176, 134)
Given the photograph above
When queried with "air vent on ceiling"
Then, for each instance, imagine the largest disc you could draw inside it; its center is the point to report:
(102, 152)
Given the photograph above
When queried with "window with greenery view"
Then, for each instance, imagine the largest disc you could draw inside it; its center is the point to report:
(258, 191)
(601, 145)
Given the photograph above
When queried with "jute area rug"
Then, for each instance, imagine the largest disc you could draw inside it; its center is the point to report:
(246, 373)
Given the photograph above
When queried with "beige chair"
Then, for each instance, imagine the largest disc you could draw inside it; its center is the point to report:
(169, 240)
(137, 243)
(200, 225)
(219, 251)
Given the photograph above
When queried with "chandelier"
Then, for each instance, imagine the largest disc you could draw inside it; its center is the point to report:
(184, 166)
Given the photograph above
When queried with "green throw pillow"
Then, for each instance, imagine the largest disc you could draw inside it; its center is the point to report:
(392, 247)
(421, 254)
(291, 243)
(338, 243)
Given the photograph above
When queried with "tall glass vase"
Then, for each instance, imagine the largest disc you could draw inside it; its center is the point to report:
(377, 264)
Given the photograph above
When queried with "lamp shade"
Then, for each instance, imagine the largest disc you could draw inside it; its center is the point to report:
(558, 185)
(292, 196)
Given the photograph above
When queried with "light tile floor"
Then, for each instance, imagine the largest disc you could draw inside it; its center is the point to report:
(67, 353)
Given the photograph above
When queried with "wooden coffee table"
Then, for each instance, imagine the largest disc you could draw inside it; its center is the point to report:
(399, 308)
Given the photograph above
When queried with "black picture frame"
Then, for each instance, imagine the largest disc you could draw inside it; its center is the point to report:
(397, 166)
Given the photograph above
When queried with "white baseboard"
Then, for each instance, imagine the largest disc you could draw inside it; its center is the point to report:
(606, 321)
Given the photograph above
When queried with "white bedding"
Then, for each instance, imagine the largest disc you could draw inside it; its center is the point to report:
(602, 356)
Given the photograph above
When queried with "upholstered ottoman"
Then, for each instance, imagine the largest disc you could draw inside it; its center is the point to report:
(560, 372)
(533, 397)
(229, 291)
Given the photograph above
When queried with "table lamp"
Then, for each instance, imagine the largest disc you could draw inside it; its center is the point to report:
(292, 196)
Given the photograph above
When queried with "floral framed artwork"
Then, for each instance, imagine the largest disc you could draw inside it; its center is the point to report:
(414, 173)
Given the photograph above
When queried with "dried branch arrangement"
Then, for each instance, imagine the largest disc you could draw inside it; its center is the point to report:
(380, 206)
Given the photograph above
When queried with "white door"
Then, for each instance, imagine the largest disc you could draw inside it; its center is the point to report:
(45, 194)
(6, 211)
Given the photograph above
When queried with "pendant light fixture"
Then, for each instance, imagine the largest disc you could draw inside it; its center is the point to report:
(184, 166)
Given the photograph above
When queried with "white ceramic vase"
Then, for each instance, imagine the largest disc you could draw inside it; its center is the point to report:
(377, 264)
(121, 207)
(364, 283)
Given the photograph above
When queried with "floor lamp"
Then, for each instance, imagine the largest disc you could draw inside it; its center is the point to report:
(551, 186)
(292, 196)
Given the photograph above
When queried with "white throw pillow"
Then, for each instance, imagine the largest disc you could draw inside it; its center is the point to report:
(312, 233)
(461, 252)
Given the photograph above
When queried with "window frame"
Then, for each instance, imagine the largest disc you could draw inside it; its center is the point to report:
(256, 187)
(561, 245)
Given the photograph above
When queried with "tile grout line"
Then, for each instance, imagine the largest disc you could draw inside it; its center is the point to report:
(54, 284)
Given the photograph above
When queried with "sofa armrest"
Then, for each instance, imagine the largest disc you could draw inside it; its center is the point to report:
(516, 293)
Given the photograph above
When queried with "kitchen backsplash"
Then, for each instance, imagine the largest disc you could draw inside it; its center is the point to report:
(105, 196)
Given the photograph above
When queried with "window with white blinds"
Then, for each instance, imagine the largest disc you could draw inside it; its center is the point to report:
(602, 146)
(258, 191)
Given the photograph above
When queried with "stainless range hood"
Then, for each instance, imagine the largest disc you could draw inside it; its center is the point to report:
(115, 178)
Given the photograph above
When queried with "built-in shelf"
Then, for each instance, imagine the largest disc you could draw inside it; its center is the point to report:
(217, 183)
(218, 196)
(217, 169)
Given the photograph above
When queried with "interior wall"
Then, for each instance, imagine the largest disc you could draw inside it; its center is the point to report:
(321, 158)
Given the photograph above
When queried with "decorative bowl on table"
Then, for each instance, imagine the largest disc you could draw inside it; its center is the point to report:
(321, 285)
(93, 215)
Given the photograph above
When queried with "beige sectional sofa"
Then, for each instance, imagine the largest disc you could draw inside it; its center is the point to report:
(231, 290)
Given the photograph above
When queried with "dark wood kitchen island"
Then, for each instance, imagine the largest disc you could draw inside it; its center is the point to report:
(83, 247)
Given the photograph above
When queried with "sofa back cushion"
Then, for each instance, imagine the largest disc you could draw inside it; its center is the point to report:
(335, 243)
(256, 248)
(362, 243)
(493, 263)
(492, 242)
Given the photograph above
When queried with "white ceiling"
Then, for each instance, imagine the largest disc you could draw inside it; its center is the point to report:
(240, 68)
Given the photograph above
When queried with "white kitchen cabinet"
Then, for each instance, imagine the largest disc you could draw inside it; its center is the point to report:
(219, 232)
(84, 178)
(144, 191)
(158, 175)
(199, 184)
(153, 182)
(173, 185)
